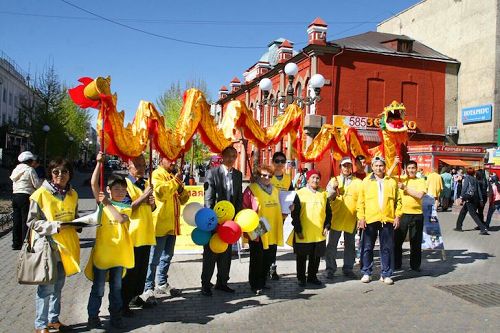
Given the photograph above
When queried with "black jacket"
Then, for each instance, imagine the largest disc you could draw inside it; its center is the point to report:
(215, 188)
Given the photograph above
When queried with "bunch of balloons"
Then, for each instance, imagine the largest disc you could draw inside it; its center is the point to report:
(216, 227)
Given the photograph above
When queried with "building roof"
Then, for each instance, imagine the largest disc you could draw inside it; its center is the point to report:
(319, 21)
(286, 44)
(235, 80)
(223, 88)
(372, 41)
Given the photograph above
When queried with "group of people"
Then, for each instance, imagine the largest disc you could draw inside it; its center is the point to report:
(135, 242)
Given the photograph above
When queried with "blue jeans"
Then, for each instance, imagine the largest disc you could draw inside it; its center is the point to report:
(161, 254)
(386, 235)
(48, 300)
(97, 291)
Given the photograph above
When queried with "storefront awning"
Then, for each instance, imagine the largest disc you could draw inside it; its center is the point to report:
(455, 162)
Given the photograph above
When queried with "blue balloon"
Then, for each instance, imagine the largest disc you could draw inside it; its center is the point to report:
(206, 219)
(201, 237)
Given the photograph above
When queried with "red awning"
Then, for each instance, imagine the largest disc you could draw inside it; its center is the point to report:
(455, 162)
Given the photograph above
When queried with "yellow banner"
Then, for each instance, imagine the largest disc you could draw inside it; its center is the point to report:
(183, 242)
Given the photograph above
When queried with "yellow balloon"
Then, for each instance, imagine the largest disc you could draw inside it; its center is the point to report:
(224, 210)
(217, 245)
(247, 219)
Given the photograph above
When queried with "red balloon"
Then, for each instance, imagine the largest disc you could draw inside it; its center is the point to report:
(229, 232)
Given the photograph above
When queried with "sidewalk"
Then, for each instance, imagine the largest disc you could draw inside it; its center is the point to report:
(412, 304)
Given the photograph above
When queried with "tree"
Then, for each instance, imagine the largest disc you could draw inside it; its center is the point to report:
(170, 104)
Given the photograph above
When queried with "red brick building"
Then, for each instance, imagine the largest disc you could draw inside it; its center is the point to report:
(363, 73)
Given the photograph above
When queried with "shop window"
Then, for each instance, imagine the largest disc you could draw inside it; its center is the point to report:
(375, 96)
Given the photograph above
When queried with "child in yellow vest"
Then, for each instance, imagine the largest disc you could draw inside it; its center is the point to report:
(113, 251)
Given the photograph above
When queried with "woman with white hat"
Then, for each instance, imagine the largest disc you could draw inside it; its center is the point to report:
(24, 182)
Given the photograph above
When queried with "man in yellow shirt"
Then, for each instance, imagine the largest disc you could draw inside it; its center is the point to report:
(378, 212)
(343, 192)
(411, 190)
(434, 185)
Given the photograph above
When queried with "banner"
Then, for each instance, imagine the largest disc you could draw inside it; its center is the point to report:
(183, 243)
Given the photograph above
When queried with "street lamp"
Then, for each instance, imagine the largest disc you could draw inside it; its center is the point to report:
(46, 130)
(316, 82)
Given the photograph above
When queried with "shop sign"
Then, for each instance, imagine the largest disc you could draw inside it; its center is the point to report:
(477, 114)
(446, 149)
(366, 122)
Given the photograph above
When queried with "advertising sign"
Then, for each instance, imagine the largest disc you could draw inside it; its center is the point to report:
(477, 114)
(366, 122)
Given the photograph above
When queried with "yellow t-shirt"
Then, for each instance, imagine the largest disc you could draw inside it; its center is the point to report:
(410, 205)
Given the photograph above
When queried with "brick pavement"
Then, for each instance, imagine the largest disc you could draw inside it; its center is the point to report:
(412, 304)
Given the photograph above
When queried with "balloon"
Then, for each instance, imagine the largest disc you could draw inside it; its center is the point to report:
(217, 245)
(190, 211)
(200, 237)
(224, 210)
(229, 232)
(247, 219)
(206, 219)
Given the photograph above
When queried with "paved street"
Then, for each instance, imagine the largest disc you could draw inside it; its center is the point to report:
(412, 304)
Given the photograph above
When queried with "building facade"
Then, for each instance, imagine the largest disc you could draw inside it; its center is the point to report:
(363, 73)
(467, 30)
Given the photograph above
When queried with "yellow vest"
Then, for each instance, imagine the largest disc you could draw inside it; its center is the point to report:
(368, 207)
(312, 215)
(67, 240)
(344, 205)
(141, 227)
(283, 184)
(434, 184)
(410, 205)
(270, 208)
(168, 203)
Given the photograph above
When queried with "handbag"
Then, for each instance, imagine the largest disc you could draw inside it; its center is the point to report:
(37, 268)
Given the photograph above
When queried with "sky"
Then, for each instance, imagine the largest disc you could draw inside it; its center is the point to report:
(145, 46)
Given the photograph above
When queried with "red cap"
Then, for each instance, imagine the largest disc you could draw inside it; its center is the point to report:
(312, 172)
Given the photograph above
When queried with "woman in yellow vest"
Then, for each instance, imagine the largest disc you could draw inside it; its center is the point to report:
(113, 251)
(264, 198)
(283, 182)
(54, 203)
(312, 217)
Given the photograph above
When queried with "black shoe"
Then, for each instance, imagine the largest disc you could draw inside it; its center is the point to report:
(458, 229)
(484, 232)
(477, 228)
(315, 281)
(275, 276)
(137, 302)
(350, 275)
(302, 283)
(117, 322)
(16, 247)
(126, 312)
(94, 323)
(224, 287)
(206, 291)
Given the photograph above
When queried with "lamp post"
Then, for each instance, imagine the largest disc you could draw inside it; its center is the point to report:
(46, 130)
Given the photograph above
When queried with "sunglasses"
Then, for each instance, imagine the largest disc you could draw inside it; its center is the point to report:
(266, 176)
(57, 172)
(279, 161)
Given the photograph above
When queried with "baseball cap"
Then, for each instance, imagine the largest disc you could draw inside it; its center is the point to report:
(345, 160)
(26, 156)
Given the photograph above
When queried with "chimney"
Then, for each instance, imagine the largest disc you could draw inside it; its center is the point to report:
(235, 84)
(285, 52)
(262, 68)
(400, 44)
(317, 32)
(223, 92)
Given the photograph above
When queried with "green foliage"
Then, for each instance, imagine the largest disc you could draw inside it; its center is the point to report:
(170, 105)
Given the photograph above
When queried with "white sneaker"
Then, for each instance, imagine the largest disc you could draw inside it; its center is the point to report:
(148, 297)
(366, 278)
(386, 280)
(168, 289)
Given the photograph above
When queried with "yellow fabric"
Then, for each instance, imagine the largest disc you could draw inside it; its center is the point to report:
(113, 245)
(167, 212)
(67, 240)
(434, 184)
(410, 205)
(368, 207)
(283, 184)
(270, 208)
(344, 205)
(312, 215)
(141, 227)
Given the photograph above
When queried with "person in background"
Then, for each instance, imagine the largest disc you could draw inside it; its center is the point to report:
(434, 186)
(170, 194)
(262, 197)
(311, 218)
(471, 197)
(52, 204)
(283, 182)
(24, 182)
(343, 192)
(113, 251)
(222, 183)
(446, 193)
(482, 182)
(420, 173)
(412, 190)
(299, 181)
(494, 197)
(360, 164)
(378, 212)
(457, 184)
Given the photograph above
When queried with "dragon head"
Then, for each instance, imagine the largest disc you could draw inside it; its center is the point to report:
(392, 119)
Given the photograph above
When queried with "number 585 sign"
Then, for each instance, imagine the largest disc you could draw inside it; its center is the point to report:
(364, 122)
